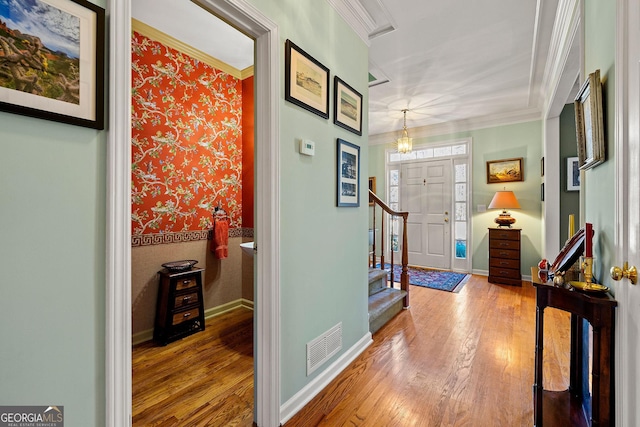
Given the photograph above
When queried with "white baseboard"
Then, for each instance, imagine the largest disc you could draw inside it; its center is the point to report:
(147, 335)
(304, 396)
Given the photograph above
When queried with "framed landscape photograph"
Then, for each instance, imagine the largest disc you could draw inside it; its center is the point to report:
(507, 170)
(306, 81)
(573, 174)
(348, 169)
(347, 106)
(589, 122)
(52, 62)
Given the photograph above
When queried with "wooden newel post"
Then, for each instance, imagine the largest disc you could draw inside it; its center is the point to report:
(404, 277)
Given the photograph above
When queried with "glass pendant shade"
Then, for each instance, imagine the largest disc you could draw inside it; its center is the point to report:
(404, 143)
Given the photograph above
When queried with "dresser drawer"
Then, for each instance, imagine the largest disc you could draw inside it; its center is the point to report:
(504, 253)
(507, 273)
(504, 234)
(505, 263)
(186, 283)
(504, 244)
(183, 316)
(185, 299)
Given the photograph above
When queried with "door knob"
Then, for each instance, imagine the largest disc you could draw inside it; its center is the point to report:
(446, 220)
(630, 273)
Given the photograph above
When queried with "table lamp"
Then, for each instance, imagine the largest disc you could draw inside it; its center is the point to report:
(504, 200)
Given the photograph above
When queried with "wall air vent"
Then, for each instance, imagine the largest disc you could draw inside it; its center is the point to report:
(322, 348)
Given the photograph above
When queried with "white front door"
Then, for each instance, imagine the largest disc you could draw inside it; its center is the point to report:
(627, 152)
(426, 194)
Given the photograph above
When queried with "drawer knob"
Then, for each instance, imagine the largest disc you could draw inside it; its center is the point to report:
(186, 282)
(186, 315)
(186, 299)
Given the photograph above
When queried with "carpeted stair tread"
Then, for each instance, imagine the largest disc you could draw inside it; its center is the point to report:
(383, 306)
(376, 273)
(377, 280)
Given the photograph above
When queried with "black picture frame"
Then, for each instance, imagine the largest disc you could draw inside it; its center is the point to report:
(310, 87)
(348, 174)
(347, 106)
(49, 82)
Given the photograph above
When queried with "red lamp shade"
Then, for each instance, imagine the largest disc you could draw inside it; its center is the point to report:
(504, 200)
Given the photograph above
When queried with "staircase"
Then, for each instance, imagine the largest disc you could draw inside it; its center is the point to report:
(384, 302)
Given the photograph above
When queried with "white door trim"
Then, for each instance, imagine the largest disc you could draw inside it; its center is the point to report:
(627, 93)
(118, 240)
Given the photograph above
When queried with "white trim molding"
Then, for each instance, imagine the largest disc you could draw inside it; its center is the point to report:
(118, 227)
(248, 19)
(356, 16)
(308, 392)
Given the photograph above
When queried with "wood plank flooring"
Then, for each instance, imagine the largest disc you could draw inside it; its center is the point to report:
(453, 359)
(205, 379)
(462, 359)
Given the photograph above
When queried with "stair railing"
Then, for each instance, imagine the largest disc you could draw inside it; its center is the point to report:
(404, 276)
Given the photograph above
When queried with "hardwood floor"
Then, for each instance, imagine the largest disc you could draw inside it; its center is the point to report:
(453, 359)
(462, 359)
(205, 379)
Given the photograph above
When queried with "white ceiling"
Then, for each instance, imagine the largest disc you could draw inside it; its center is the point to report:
(445, 61)
(189, 23)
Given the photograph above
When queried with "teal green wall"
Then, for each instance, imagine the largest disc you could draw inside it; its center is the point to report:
(323, 247)
(569, 200)
(52, 257)
(600, 32)
(501, 142)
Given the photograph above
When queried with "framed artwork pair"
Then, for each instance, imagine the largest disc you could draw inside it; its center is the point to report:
(307, 85)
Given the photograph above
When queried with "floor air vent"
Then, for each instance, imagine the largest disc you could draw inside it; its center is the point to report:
(323, 347)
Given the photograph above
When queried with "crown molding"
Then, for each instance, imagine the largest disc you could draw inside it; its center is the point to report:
(356, 16)
(167, 40)
(494, 120)
(247, 72)
(563, 56)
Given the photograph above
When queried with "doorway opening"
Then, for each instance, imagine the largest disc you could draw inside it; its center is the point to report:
(192, 171)
(433, 184)
(118, 281)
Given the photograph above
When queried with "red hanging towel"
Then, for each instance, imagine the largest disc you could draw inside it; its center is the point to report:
(220, 240)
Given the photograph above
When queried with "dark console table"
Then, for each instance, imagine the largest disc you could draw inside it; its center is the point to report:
(563, 408)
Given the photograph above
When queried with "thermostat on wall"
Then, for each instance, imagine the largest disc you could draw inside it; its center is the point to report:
(307, 147)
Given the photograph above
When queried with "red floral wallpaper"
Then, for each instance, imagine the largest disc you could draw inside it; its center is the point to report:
(186, 141)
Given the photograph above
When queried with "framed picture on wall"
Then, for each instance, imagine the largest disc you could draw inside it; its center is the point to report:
(589, 122)
(347, 106)
(56, 66)
(573, 174)
(306, 81)
(506, 170)
(348, 171)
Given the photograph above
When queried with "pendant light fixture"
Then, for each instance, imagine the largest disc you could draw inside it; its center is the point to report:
(404, 143)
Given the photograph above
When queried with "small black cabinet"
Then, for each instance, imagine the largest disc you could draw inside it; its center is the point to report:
(180, 307)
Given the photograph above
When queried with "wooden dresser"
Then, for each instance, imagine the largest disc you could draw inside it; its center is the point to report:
(180, 307)
(504, 256)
